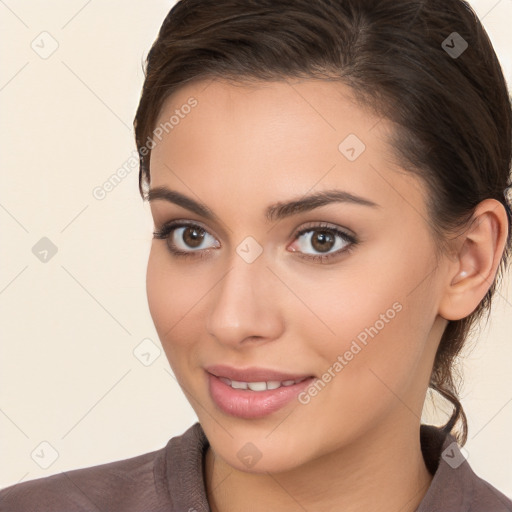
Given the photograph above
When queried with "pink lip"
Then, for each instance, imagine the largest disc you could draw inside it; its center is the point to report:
(249, 404)
(252, 374)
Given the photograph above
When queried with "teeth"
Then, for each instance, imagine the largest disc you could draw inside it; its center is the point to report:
(260, 386)
(257, 386)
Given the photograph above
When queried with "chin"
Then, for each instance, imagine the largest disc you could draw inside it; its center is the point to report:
(276, 462)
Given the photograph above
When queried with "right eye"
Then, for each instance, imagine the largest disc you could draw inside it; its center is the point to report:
(184, 238)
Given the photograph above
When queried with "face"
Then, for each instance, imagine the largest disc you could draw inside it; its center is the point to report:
(344, 293)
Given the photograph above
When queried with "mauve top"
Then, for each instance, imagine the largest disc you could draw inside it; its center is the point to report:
(171, 479)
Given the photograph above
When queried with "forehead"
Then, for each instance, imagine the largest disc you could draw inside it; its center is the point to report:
(291, 113)
(272, 139)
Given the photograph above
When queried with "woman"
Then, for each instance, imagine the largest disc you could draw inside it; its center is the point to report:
(328, 183)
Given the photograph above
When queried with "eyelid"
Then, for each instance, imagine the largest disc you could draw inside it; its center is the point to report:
(177, 223)
(310, 226)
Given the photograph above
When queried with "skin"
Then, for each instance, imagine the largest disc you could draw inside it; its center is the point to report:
(355, 446)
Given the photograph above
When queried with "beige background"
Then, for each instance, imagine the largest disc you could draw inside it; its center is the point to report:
(68, 374)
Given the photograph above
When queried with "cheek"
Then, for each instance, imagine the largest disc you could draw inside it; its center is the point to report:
(175, 298)
(159, 291)
(380, 318)
(170, 295)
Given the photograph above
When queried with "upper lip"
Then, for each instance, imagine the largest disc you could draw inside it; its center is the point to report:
(252, 374)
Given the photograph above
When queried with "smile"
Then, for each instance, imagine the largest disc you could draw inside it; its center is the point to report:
(260, 386)
(254, 399)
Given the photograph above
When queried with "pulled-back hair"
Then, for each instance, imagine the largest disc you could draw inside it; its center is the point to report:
(451, 112)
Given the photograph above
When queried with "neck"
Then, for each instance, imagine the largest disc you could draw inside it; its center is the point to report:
(382, 470)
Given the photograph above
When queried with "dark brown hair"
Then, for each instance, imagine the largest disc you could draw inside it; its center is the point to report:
(452, 112)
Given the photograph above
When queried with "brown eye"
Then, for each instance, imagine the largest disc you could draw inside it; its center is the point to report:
(186, 239)
(323, 241)
(193, 236)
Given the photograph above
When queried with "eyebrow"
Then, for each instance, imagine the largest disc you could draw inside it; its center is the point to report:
(276, 211)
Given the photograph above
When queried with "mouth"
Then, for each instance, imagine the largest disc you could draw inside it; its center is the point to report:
(260, 385)
(255, 374)
(253, 392)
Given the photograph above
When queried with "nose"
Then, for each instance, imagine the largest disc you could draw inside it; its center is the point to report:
(244, 305)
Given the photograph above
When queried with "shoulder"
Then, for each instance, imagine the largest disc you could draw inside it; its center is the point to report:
(455, 486)
(121, 485)
(486, 497)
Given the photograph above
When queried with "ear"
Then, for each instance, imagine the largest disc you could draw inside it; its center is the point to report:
(472, 271)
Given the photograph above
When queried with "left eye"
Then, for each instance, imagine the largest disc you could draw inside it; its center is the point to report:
(326, 240)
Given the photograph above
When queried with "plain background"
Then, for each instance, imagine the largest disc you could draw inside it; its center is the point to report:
(69, 377)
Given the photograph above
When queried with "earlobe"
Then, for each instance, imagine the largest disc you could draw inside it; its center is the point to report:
(472, 273)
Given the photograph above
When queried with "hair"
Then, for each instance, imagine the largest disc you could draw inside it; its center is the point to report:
(451, 114)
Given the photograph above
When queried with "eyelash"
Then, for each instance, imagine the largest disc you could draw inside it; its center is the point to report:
(164, 232)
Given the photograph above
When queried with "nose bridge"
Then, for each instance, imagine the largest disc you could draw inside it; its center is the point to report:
(242, 306)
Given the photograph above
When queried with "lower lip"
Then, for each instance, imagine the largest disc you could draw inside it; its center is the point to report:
(252, 404)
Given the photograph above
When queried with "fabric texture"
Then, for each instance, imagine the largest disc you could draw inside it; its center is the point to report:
(171, 480)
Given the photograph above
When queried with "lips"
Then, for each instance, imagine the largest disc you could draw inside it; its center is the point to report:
(254, 392)
(254, 374)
